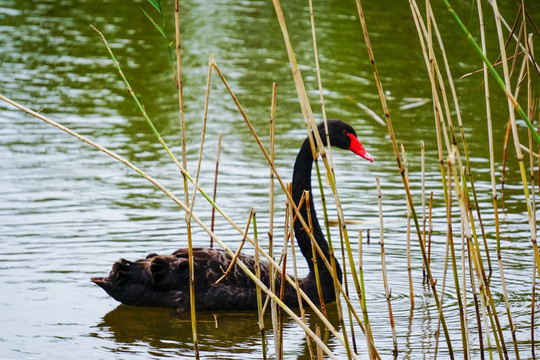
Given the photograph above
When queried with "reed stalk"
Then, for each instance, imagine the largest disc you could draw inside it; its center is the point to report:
(300, 218)
(430, 227)
(532, 221)
(424, 219)
(505, 152)
(450, 239)
(203, 133)
(463, 195)
(477, 309)
(184, 161)
(464, 172)
(314, 256)
(329, 149)
(435, 74)
(387, 291)
(511, 106)
(186, 189)
(485, 317)
(320, 355)
(216, 172)
(409, 265)
(530, 107)
(484, 285)
(369, 334)
(533, 307)
(258, 289)
(346, 282)
(239, 250)
(286, 236)
(401, 169)
(448, 198)
(273, 308)
(182, 169)
(319, 79)
(314, 138)
(467, 173)
(293, 253)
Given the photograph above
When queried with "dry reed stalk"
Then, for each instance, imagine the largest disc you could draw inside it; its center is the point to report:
(203, 133)
(533, 305)
(369, 334)
(484, 284)
(424, 219)
(258, 289)
(329, 150)
(530, 107)
(511, 106)
(477, 309)
(409, 266)
(304, 224)
(284, 264)
(505, 151)
(295, 272)
(320, 355)
(346, 282)
(485, 316)
(446, 258)
(215, 188)
(239, 250)
(463, 197)
(400, 166)
(319, 79)
(337, 285)
(314, 256)
(450, 238)
(387, 291)
(194, 217)
(184, 174)
(430, 227)
(186, 188)
(398, 160)
(528, 151)
(499, 255)
(273, 307)
(465, 172)
(512, 103)
(314, 138)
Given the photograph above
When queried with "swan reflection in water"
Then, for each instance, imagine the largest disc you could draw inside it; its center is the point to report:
(222, 335)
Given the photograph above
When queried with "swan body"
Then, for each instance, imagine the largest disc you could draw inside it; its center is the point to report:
(163, 280)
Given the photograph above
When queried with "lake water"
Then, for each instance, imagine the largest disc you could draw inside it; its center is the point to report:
(67, 211)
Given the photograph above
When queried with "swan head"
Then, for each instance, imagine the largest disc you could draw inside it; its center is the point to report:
(343, 136)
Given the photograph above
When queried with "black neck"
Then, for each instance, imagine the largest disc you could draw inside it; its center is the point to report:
(302, 182)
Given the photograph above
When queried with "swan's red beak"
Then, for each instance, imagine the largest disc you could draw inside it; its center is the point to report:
(357, 148)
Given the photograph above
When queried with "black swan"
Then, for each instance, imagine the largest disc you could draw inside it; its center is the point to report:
(163, 281)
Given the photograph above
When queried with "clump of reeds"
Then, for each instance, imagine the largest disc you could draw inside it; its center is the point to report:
(457, 183)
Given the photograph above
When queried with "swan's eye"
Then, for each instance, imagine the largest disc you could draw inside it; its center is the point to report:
(345, 132)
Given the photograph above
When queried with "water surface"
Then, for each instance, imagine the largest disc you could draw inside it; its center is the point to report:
(68, 212)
